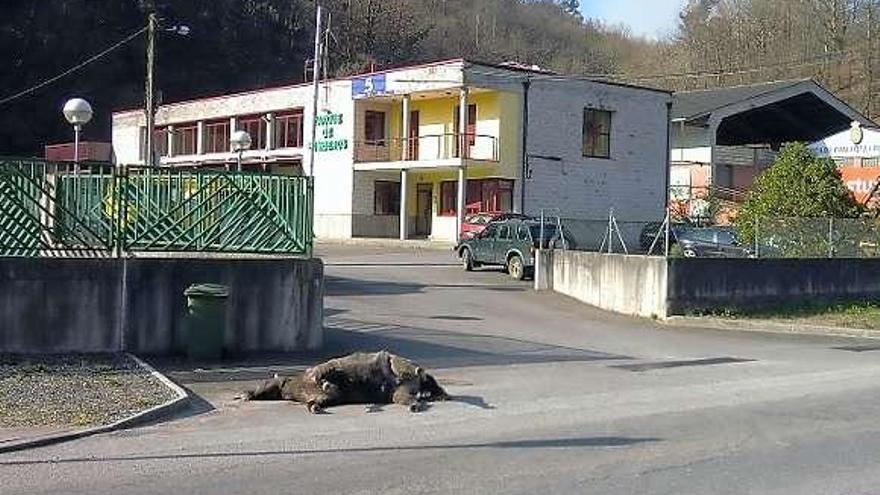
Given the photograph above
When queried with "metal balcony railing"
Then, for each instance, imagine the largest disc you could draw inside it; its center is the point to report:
(427, 148)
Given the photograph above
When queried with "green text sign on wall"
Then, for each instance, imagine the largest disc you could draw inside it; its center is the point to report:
(328, 141)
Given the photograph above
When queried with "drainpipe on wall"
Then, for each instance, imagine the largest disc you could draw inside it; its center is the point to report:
(525, 140)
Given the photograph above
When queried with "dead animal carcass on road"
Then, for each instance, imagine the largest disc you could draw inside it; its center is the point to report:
(359, 378)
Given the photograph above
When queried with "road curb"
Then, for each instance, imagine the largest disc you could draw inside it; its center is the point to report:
(796, 328)
(146, 416)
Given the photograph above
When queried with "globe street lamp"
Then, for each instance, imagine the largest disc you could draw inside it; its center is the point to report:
(78, 112)
(240, 141)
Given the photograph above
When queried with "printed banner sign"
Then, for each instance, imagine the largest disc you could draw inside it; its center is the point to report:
(860, 180)
(372, 85)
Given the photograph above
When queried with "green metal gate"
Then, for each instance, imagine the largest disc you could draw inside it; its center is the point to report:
(49, 209)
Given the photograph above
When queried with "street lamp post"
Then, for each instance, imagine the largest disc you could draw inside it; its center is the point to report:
(241, 142)
(78, 112)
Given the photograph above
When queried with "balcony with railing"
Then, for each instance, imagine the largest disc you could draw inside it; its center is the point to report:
(429, 150)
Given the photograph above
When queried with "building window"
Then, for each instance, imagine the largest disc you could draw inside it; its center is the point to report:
(386, 198)
(448, 199)
(289, 130)
(255, 126)
(160, 142)
(489, 196)
(217, 137)
(374, 128)
(597, 133)
(184, 141)
(483, 196)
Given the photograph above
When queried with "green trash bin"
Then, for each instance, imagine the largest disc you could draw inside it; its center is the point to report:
(205, 320)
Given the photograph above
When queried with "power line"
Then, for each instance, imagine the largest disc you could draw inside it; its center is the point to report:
(73, 69)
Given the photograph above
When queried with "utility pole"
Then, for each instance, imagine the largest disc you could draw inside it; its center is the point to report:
(150, 107)
(316, 74)
(869, 63)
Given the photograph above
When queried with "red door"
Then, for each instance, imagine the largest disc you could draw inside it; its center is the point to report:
(414, 135)
(470, 131)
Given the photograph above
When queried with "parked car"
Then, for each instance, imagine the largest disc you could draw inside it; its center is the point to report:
(711, 242)
(509, 243)
(476, 223)
(651, 231)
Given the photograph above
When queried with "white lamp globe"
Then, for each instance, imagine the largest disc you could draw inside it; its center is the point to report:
(240, 141)
(77, 111)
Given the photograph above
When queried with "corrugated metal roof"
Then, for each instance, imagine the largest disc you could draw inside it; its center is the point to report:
(693, 104)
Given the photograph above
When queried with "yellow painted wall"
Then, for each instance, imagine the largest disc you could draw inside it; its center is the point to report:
(499, 114)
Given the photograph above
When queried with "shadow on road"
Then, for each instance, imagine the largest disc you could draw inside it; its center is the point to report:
(472, 400)
(448, 349)
(547, 443)
(342, 286)
(429, 347)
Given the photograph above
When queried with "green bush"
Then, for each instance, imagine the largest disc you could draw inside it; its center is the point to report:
(791, 201)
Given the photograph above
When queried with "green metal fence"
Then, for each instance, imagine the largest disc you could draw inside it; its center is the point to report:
(49, 209)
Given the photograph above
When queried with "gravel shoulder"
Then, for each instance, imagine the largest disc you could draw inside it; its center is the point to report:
(75, 390)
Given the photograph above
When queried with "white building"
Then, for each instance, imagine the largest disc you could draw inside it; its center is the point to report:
(856, 151)
(407, 152)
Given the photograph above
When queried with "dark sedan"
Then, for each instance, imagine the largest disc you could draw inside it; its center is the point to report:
(711, 242)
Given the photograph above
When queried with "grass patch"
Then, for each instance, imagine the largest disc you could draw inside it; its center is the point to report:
(860, 314)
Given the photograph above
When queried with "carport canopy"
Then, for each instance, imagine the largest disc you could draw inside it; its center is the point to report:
(768, 113)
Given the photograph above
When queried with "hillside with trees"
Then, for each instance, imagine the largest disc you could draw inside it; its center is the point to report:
(241, 44)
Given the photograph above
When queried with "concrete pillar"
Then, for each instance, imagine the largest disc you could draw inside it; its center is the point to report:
(404, 133)
(403, 188)
(270, 131)
(713, 167)
(170, 142)
(462, 189)
(200, 138)
(232, 123)
(464, 152)
(544, 269)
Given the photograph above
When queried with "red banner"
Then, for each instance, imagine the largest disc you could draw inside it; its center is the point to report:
(862, 181)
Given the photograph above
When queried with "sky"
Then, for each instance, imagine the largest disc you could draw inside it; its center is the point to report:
(649, 18)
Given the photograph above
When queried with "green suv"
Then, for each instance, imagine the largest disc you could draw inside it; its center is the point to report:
(509, 243)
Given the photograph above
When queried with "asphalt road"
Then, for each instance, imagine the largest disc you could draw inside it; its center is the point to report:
(552, 397)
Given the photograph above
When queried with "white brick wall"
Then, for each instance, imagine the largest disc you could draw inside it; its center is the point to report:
(632, 181)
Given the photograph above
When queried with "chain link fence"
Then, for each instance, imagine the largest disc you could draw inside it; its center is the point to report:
(764, 238)
(813, 238)
(612, 235)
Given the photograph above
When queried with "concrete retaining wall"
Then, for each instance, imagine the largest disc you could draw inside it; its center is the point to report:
(714, 284)
(137, 305)
(657, 287)
(634, 285)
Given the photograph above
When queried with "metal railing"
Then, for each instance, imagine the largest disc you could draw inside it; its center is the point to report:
(52, 209)
(429, 147)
